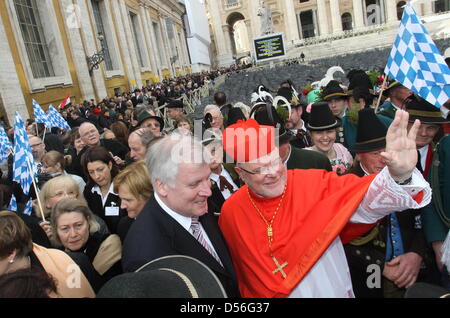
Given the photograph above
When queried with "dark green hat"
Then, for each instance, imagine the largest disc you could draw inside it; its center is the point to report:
(371, 132)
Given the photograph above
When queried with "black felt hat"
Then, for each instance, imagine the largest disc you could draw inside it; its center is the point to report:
(392, 84)
(419, 108)
(234, 114)
(371, 132)
(267, 115)
(146, 115)
(361, 80)
(321, 118)
(175, 103)
(333, 90)
(290, 95)
(173, 276)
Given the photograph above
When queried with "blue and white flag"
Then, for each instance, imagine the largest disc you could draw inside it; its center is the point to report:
(56, 120)
(416, 62)
(5, 145)
(29, 207)
(23, 157)
(39, 115)
(13, 204)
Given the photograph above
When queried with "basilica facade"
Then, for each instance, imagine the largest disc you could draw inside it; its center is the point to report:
(234, 23)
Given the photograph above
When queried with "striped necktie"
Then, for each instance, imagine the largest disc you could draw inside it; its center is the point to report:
(197, 233)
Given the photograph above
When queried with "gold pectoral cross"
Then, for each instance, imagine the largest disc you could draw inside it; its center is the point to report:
(279, 267)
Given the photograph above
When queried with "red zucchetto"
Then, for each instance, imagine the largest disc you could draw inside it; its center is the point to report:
(247, 140)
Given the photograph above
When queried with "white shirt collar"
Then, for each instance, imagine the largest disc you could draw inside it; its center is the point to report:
(364, 170)
(184, 221)
(96, 189)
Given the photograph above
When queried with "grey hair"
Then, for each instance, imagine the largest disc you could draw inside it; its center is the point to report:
(68, 205)
(145, 135)
(211, 107)
(165, 155)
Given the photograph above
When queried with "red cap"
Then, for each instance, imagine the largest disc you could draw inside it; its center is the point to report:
(247, 140)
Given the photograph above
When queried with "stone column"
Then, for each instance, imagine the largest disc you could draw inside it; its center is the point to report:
(223, 56)
(227, 35)
(248, 25)
(418, 8)
(391, 8)
(88, 37)
(150, 49)
(427, 8)
(322, 17)
(290, 22)
(358, 14)
(124, 19)
(336, 21)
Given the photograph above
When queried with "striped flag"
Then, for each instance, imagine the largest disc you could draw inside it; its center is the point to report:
(56, 120)
(29, 207)
(65, 102)
(39, 115)
(23, 157)
(416, 62)
(13, 204)
(5, 145)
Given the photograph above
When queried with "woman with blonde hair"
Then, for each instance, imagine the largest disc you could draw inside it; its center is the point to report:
(75, 228)
(55, 190)
(134, 189)
(55, 163)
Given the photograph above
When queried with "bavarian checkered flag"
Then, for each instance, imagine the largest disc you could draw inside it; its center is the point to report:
(23, 157)
(39, 115)
(56, 120)
(416, 62)
(5, 145)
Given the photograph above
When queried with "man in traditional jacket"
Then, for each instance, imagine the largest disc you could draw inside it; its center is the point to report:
(285, 229)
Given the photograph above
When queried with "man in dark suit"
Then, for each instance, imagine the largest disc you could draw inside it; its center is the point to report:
(175, 220)
(397, 244)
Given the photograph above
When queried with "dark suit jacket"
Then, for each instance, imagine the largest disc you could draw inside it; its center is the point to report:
(216, 200)
(155, 234)
(307, 159)
(374, 251)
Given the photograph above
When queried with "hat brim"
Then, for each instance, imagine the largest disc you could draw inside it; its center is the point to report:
(159, 119)
(387, 90)
(335, 125)
(428, 120)
(335, 96)
(205, 282)
(369, 146)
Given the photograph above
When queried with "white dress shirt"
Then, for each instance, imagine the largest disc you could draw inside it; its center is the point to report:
(224, 173)
(184, 221)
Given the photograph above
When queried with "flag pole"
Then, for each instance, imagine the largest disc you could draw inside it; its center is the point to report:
(36, 190)
(381, 93)
(45, 130)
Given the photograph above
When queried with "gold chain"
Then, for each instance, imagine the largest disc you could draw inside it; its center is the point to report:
(269, 225)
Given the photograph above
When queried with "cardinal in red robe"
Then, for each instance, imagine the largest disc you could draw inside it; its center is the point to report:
(285, 229)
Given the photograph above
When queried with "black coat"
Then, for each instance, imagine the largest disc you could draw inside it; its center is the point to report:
(94, 201)
(374, 251)
(216, 200)
(307, 159)
(155, 234)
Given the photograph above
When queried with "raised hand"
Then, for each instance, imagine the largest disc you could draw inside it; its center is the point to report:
(401, 151)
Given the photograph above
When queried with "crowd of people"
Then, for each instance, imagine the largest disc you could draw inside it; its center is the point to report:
(294, 194)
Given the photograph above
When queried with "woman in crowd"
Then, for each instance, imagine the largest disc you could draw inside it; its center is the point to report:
(120, 130)
(18, 253)
(76, 145)
(134, 189)
(75, 228)
(322, 129)
(184, 125)
(52, 192)
(55, 163)
(99, 166)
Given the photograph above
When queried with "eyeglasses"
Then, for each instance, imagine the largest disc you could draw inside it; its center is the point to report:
(156, 125)
(271, 168)
(35, 145)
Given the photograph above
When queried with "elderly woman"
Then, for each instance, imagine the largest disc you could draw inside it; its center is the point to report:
(52, 192)
(76, 145)
(134, 189)
(100, 167)
(183, 124)
(216, 116)
(55, 163)
(322, 129)
(17, 252)
(74, 227)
